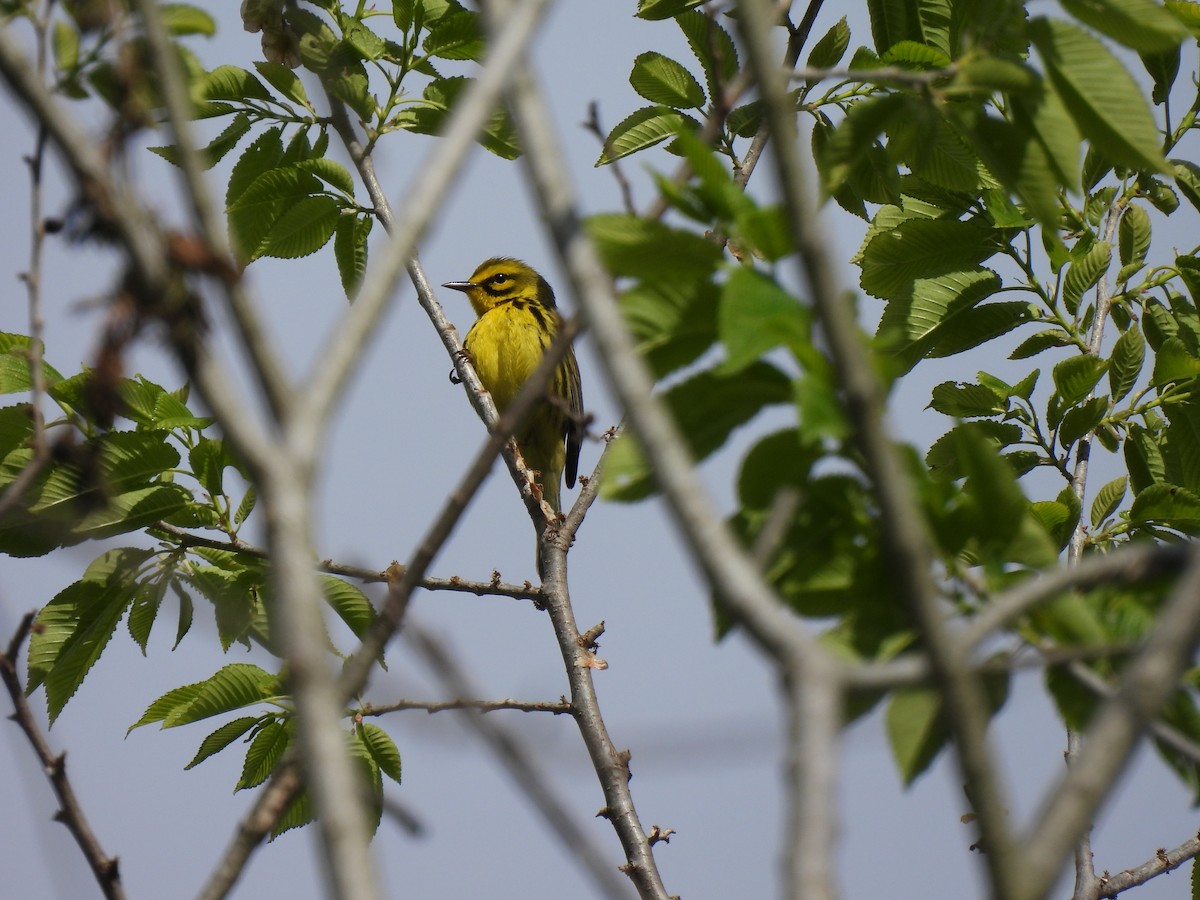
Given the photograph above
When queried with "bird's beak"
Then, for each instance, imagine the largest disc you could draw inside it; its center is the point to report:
(463, 286)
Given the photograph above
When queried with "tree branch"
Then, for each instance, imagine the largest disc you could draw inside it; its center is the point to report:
(70, 813)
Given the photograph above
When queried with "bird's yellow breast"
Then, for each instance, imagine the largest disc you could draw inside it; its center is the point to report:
(506, 344)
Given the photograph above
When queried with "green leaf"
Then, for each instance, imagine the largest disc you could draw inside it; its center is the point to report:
(1125, 364)
(65, 41)
(1107, 499)
(673, 320)
(829, 50)
(1134, 232)
(1100, 94)
(1167, 505)
(246, 506)
(1037, 343)
(283, 80)
(644, 128)
(265, 751)
(852, 139)
(916, 730)
(923, 249)
(937, 314)
(1187, 178)
(1174, 363)
(363, 40)
(382, 749)
(953, 398)
(1181, 445)
(350, 604)
(757, 315)
(945, 457)
(458, 35)
(222, 738)
(350, 250)
(639, 248)
(1163, 67)
(654, 10)
(893, 21)
(713, 47)
(1082, 420)
(234, 686)
(73, 629)
(147, 600)
(230, 83)
(1141, 24)
(707, 408)
(663, 81)
(303, 228)
(1075, 376)
(1084, 273)
(181, 19)
(1143, 458)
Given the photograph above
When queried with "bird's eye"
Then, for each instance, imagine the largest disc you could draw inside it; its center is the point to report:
(499, 279)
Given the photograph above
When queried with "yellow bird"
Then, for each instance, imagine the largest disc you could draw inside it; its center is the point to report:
(517, 320)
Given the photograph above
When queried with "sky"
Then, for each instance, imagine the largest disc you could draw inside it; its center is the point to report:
(702, 719)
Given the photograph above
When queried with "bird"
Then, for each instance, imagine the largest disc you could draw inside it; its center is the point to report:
(516, 321)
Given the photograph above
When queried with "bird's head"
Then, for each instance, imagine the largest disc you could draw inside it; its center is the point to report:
(501, 279)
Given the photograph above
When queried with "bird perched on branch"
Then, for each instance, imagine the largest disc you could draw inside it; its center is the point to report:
(517, 321)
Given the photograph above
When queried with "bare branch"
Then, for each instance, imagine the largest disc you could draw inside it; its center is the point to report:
(70, 813)
(523, 769)
(1161, 863)
(559, 708)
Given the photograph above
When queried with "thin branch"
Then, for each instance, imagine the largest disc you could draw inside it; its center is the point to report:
(494, 588)
(714, 549)
(70, 813)
(252, 830)
(1161, 863)
(1145, 684)
(559, 707)
(523, 768)
(887, 74)
(592, 124)
(905, 538)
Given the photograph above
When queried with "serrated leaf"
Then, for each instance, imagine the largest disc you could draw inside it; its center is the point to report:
(1141, 24)
(1075, 376)
(756, 315)
(665, 82)
(916, 730)
(672, 320)
(246, 506)
(183, 19)
(1187, 179)
(1134, 233)
(350, 604)
(1100, 94)
(1084, 273)
(944, 457)
(639, 248)
(829, 50)
(960, 400)
(231, 83)
(234, 686)
(707, 408)
(1081, 420)
(458, 35)
(147, 600)
(895, 259)
(1168, 505)
(283, 80)
(1125, 365)
(350, 250)
(363, 40)
(382, 749)
(264, 753)
(654, 10)
(712, 46)
(1107, 499)
(1174, 363)
(222, 738)
(643, 128)
(1037, 343)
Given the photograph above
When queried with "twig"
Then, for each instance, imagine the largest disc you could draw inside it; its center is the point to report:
(252, 830)
(592, 124)
(1162, 862)
(892, 74)
(905, 539)
(493, 588)
(518, 761)
(70, 813)
(433, 706)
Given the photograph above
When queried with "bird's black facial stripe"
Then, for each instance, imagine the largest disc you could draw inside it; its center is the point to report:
(496, 285)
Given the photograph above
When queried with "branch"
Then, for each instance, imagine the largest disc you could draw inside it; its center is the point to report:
(1161, 863)
(714, 549)
(523, 769)
(1145, 683)
(494, 588)
(888, 74)
(904, 533)
(433, 706)
(70, 813)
